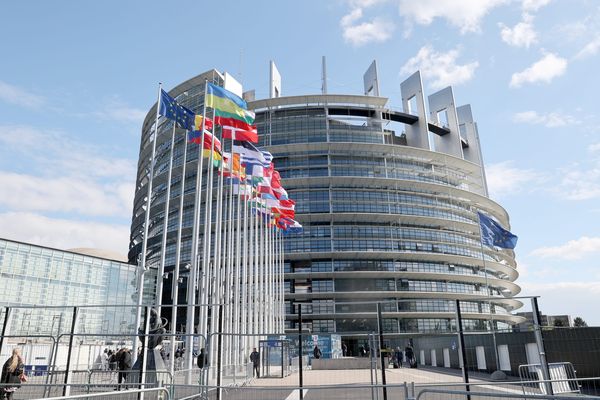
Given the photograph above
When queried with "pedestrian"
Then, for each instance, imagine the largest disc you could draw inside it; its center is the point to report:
(104, 360)
(408, 352)
(124, 361)
(344, 350)
(317, 352)
(112, 360)
(202, 361)
(13, 373)
(398, 357)
(255, 358)
(361, 351)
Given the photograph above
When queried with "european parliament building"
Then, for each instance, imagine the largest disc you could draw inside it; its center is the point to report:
(388, 199)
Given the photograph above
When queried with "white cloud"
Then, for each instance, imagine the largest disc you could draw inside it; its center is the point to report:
(504, 178)
(590, 49)
(580, 182)
(365, 3)
(15, 95)
(57, 153)
(64, 175)
(534, 5)
(463, 14)
(521, 35)
(377, 30)
(594, 147)
(572, 250)
(544, 70)
(441, 68)
(549, 120)
(65, 194)
(119, 111)
(62, 233)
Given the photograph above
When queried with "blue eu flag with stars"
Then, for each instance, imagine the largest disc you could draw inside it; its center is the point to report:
(493, 234)
(169, 108)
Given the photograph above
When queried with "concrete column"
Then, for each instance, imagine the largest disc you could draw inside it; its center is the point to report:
(417, 133)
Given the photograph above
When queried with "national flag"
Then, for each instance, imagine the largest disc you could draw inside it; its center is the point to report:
(169, 108)
(493, 234)
(208, 124)
(250, 154)
(280, 193)
(290, 225)
(250, 135)
(216, 157)
(196, 137)
(275, 180)
(228, 104)
(267, 156)
(232, 166)
(225, 119)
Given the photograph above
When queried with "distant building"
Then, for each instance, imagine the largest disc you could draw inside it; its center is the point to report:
(545, 320)
(33, 277)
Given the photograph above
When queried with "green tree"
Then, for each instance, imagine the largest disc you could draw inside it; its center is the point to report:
(558, 323)
(579, 322)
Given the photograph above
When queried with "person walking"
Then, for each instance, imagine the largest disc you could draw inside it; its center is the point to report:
(317, 352)
(13, 374)
(344, 349)
(124, 360)
(104, 360)
(202, 361)
(255, 358)
(410, 356)
(398, 358)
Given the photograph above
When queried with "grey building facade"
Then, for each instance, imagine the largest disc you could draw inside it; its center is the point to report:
(388, 200)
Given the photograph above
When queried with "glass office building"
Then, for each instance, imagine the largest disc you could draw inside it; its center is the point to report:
(388, 200)
(36, 280)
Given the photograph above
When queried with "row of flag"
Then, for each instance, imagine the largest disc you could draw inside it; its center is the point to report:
(249, 170)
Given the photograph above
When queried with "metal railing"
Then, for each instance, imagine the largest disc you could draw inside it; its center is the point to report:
(444, 394)
(162, 394)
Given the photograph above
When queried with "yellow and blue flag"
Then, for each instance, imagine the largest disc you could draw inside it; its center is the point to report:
(169, 108)
(493, 234)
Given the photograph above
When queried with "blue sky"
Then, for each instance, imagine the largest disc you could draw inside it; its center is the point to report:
(77, 77)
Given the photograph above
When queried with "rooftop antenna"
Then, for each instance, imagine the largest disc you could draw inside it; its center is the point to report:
(323, 76)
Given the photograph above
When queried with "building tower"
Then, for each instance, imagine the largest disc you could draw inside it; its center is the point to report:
(388, 200)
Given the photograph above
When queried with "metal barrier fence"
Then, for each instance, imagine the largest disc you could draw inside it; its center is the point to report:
(65, 363)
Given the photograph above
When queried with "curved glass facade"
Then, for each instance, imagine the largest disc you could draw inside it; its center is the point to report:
(383, 223)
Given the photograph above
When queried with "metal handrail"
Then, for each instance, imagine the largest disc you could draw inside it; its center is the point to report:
(500, 395)
(291, 388)
(104, 394)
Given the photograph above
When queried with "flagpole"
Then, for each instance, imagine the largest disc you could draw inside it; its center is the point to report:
(228, 264)
(244, 300)
(255, 286)
(194, 267)
(175, 285)
(238, 281)
(161, 271)
(142, 267)
(488, 294)
(282, 279)
(208, 259)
